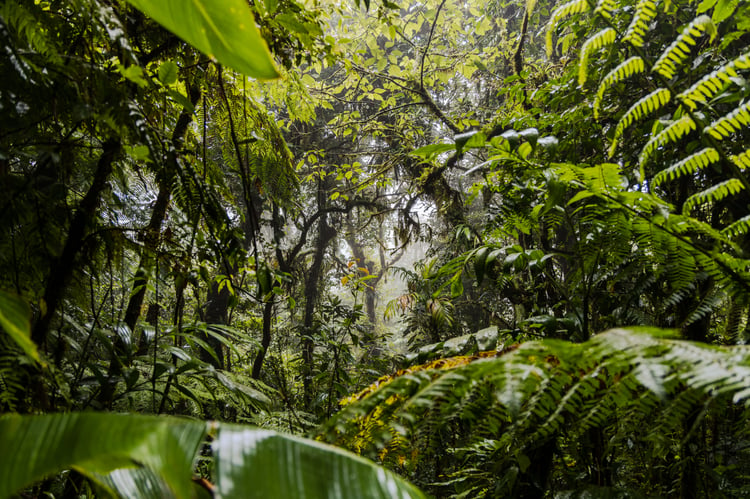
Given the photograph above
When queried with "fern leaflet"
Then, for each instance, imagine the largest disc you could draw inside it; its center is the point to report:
(672, 133)
(605, 7)
(627, 68)
(689, 165)
(732, 122)
(711, 84)
(647, 104)
(645, 11)
(560, 13)
(742, 160)
(675, 55)
(601, 39)
(713, 194)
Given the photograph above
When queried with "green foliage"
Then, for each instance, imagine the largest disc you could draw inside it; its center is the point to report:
(675, 55)
(687, 166)
(602, 39)
(645, 11)
(646, 104)
(733, 122)
(690, 176)
(713, 194)
(223, 29)
(563, 11)
(711, 84)
(14, 320)
(187, 246)
(625, 69)
(495, 415)
(147, 456)
(672, 133)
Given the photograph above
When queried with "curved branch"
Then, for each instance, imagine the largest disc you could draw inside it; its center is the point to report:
(421, 90)
(427, 47)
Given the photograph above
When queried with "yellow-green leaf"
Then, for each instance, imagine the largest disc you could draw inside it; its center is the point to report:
(167, 73)
(724, 9)
(223, 29)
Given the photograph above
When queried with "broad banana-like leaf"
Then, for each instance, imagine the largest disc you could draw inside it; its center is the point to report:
(98, 443)
(142, 483)
(261, 463)
(138, 456)
(222, 29)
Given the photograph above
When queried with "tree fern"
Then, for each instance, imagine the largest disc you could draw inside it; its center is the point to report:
(689, 165)
(648, 104)
(645, 11)
(625, 69)
(601, 39)
(713, 194)
(560, 13)
(674, 56)
(711, 84)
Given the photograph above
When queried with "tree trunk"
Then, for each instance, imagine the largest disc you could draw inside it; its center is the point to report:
(62, 269)
(217, 307)
(265, 341)
(325, 234)
(148, 252)
(158, 215)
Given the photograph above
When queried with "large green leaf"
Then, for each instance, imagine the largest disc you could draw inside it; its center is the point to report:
(98, 443)
(260, 463)
(139, 456)
(223, 29)
(14, 318)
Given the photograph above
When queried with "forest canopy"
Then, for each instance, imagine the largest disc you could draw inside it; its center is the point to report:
(289, 248)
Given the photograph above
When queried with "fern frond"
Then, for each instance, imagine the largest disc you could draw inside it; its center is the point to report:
(738, 228)
(645, 11)
(713, 194)
(601, 39)
(711, 84)
(27, 25)
(672, 133)
(732, 122)
(679, 295)
(647, 104)
(705, 229)
(674, 56)
(625, 69)
(689, 165)
(741, 160)
(604, 8)
(560, 13)
(710, 303)
(617, 381)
